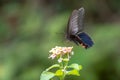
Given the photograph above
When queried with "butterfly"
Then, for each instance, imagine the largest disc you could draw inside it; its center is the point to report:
(75, 29)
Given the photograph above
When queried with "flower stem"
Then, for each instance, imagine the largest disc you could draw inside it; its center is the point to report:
(64, 65)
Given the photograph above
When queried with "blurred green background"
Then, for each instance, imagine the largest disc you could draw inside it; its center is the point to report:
(30, 28)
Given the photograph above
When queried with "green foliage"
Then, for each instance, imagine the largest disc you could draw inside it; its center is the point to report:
(59, 73)
(72, 69)
(46, 75)
(73, 72)
(75, 66)
(75, 69)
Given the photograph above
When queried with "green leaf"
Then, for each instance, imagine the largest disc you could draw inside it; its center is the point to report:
(46, 75)
(66, 59)
(80, 67)
(53, 66)
(59, 73)
(73, 72)
(75, 66)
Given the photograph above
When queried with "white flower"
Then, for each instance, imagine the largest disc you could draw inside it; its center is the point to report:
(60, 60)
(57, 51)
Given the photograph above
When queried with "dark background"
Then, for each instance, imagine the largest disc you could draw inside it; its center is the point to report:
(30, 28)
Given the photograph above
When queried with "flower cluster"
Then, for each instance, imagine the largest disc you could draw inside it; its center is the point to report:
(60, 51)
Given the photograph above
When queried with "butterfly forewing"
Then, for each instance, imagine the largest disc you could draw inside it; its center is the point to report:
(73, 23)
(80, 22)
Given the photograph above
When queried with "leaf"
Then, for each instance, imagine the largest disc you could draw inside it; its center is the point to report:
(46, 75)
(75, 66)
(80, 67)
(53, 66)
(59, 73)
(66, 59)
(73, 72)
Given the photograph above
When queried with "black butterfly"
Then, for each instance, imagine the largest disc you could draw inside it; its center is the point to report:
(75, 29)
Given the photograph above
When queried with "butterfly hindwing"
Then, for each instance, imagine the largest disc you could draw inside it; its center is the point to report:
(85, 39)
